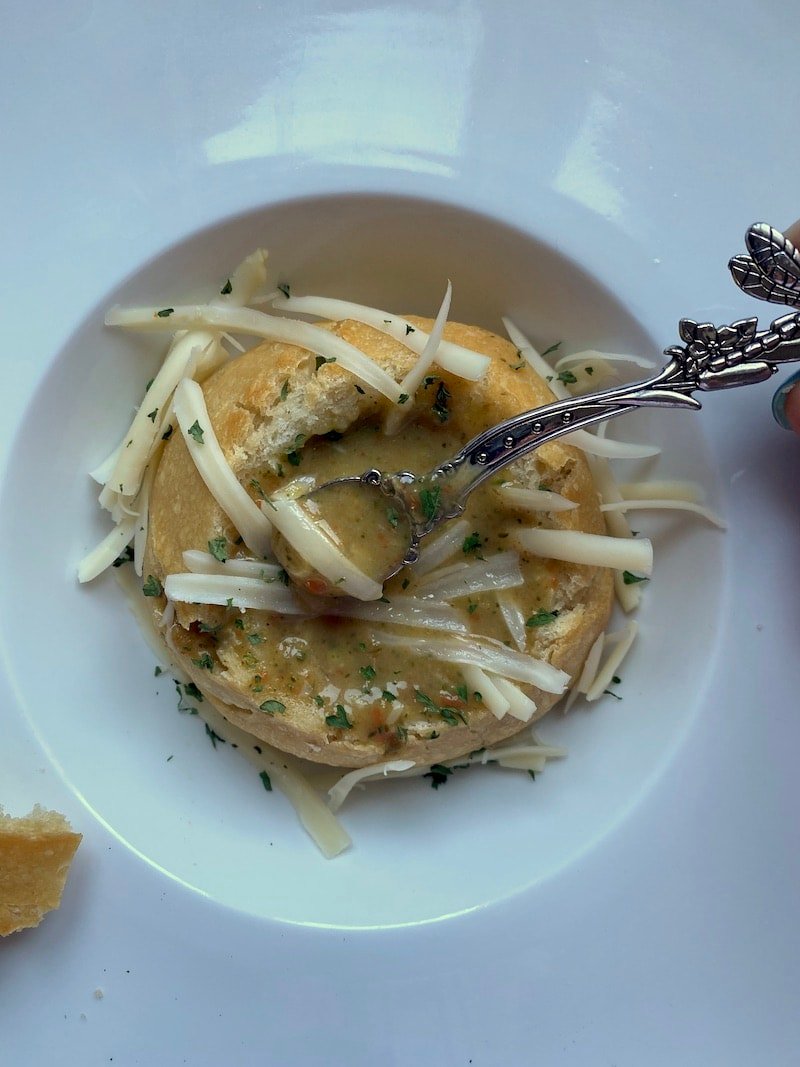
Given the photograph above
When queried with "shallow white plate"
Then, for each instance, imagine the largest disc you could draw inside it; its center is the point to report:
(637, 902)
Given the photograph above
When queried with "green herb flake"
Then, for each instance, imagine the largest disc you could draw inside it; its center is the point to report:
(191, 690)
(164, 313)
(212, 736)
(405, 583)
(196, 431)
(403, 398)
(409, 329)
(322, 360)
(265, 781)
(207, 628)
(272, 706)
(611, 693)
(152, 414)
(227, 288)
(472, 543)
(552, 348)
(204, 662)
(567, 377)
(359, 390)
(589, 370)
(392, 517)
(285, 289)
(167, 433)
(152, 586)
(219, 549)
(430, 502)
(472, 607)
(542, 618)
(255, 639)
(633, 579)
(441, 404)
(367, 673)
(402, 733)
(339, 721)
(532, 774)
(319, 700)
(284, 390)
(462, 692)
(158, 671)
(126, 556)
(388, 697)
(438, 774)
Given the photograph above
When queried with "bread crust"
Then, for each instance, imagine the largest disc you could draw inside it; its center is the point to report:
(35, 856)
(255, 427)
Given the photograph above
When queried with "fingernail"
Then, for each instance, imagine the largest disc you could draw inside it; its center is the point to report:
(779, 401)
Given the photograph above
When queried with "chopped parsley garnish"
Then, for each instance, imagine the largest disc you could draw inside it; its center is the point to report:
(158, 671)
(532, 774)
(472, 607)
(633, 579)
(589, 370)
(125, 556)
(196, 431)
(285, 390)
(204, 662)
(616, 679)
(184, 709)
(405, 583)
(152, 586)
(567, 377)
(403, 398)
(212, 736)
(339, 721)
(392, 517)
(265, 781)
(285, 289)
(367, 673)
(429, 500)
(389, 697)
(164, 313)
(294, 456)
(472, 543)
(319, 700)
(207, 628)
(463, 693)
(239, 624)
(611, 693)
(322, 360)
(147, 387)
(438, 774)
(542, 618)
(552, 348)
(359, 390)
(272, 706)
(440, 405)
(227, 288)
(167, 433)
(152, 414)
(219, 548)
(255, 639)
(450, 716)
(191, 690)
(409, 329)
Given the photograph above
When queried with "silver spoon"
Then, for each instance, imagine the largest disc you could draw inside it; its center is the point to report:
(711, 358)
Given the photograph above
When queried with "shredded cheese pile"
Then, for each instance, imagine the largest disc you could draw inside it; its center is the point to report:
(205, 336)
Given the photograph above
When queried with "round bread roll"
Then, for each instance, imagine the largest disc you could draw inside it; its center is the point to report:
(326, 688)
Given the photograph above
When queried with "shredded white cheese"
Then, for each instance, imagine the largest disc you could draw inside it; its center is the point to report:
(440, 548)
(456, 359)
(308, 537)
(400, 611)
(485, 653)
(514, 618)
(213, 468)
(413, 380)
(664, 489)
(234, 592)
(500, 571)
(204, 563)
(621, 642)
(533, 499)
(103, 555)
(666, 505)
(258, 324)
(492, 695)
(598, 550)
(339, 792)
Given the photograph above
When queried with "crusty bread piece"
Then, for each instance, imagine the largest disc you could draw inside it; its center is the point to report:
(256, 427)
(36, 851)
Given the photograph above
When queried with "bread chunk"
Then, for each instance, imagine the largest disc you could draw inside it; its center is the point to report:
(318, 687)
(36, 851)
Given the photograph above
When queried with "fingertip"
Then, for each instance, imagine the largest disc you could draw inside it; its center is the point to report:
(786, 404)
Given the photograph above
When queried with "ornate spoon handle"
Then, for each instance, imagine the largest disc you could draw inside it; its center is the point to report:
(711, 357)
